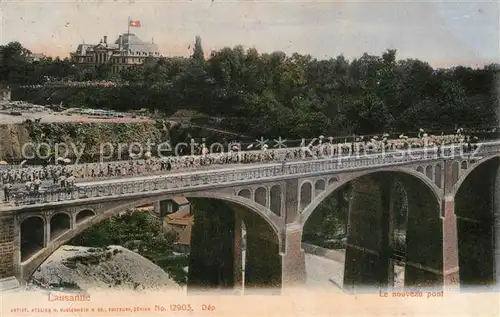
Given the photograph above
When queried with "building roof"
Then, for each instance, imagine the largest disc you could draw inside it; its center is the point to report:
(180, 214)
(129, 39)
(180, 201)
(180, 222)
(145, 208)
(83, 48)
(128, 42)
(133, 44)
(183, 217)
(107, 46)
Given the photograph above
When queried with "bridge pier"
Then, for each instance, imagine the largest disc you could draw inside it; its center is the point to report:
(476, 204)
(293, 260)
(237, 252)
(8, 254)
(367, 262)
(263, 261)
(496, 221)
(451, 267)
(426, 236)
(211, 259)
(292, 255)
(431, 256)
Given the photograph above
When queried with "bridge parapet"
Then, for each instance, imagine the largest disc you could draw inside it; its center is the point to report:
(201, 180)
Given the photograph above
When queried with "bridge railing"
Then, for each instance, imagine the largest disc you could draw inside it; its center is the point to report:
(203, 179)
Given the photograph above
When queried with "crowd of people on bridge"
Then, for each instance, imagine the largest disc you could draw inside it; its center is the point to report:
(102, 83)
(64, 176)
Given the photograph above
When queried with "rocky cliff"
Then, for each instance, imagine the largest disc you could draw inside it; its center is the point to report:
(91, 136)
(12, 138)
(88, 135)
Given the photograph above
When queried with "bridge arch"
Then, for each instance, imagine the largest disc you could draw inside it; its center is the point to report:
(32, 236)
(261, 196)
(476, 202)
(377, 233)
(246, 193)
(332, 180)
(34, 259)
(438, 175)
(429, 171)
(306, 195)
(473, 165)
(319, 186)
(464, 165)
(309, 209)
(60, 222)
(84, 215)
(275, 199)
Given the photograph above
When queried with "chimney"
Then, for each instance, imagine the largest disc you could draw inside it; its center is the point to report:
(105, 39)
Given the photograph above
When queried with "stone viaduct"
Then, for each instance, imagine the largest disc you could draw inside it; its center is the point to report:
(453, 201)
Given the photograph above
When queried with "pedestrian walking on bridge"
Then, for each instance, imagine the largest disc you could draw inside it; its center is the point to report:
(36, 185)
(6, 192)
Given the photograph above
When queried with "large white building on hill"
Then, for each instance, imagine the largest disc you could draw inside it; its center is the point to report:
(128, 50)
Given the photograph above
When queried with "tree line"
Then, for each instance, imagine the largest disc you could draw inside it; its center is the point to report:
(274, 94)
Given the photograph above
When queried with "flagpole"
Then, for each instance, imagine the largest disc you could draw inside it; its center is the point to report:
(128, 26)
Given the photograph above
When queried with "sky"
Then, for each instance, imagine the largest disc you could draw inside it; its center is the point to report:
(443, 33)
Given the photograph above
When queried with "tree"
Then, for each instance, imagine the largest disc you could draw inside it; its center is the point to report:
(278, 94)
(14, 65)
(198, 50)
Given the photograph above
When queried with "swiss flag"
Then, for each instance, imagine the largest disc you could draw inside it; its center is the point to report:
(135, 23)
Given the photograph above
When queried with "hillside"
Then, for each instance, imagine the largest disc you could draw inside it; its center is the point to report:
(90, 134)
(83, 268)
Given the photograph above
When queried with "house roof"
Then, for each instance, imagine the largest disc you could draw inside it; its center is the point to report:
(145, 208)
(180, 222)
(182, 213)
(180, 201)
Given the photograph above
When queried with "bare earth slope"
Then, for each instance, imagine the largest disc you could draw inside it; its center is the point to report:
(115, 267)
(12, 138)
